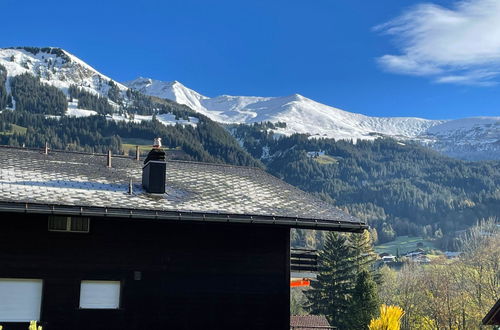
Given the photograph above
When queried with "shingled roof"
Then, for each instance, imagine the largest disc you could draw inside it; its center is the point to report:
(79, 183)
(309, 322)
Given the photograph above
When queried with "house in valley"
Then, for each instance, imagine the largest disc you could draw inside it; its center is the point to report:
(98, 242)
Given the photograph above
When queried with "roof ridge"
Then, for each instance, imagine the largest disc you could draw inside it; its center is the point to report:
(128, 157)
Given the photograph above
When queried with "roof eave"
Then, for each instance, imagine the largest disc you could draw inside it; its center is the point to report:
(488, 319)
(184, 216)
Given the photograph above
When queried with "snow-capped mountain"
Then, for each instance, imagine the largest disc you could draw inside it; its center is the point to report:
(302, 115)
(56, 67)
(467, 138)
(470, 138)
(61, 69)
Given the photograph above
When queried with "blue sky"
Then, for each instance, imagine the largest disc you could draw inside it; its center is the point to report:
(380, 58)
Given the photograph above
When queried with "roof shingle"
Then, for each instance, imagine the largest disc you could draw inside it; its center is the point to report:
(83, 180)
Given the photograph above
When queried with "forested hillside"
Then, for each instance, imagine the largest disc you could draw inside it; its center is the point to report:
(400, 189)
(39, 118)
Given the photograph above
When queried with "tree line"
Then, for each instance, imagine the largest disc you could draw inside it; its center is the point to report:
(399, 189)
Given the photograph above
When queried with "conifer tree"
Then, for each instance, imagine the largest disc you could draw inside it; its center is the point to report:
(365, 302)
(363, 255)
(330, 293)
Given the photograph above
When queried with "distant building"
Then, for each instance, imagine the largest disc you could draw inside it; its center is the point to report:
(452, 255)
(315, 154)
(309, 322)
(388, 259)
(85, 243)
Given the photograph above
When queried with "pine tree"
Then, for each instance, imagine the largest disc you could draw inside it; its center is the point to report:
(363, 255)
(330, 293)
(365, 302)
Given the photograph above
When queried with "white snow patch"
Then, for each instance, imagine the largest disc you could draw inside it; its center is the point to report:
(166, 119)
(465, 124)
(74, 111)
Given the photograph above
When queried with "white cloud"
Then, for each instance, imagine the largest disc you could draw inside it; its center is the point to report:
(451, 45)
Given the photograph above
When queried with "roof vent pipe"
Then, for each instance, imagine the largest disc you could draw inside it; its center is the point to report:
(155, 169)
(137, 155)
(109, 158)
(130, 187)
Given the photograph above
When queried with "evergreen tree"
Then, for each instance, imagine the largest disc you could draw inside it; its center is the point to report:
(363, 255)
(330, 294)
(3, 90)
(365, 302)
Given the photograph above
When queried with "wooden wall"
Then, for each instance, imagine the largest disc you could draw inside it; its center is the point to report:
(193, 276)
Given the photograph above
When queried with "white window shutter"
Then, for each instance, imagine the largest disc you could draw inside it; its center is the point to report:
(100, 294)
(20, 299)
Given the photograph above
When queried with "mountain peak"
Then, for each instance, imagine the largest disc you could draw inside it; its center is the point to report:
(296, 97)
(55, 66)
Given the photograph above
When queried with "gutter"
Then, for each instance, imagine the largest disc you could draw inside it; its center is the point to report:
(183, 216)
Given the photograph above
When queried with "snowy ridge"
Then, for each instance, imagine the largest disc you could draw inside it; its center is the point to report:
(468, 138)
(61, 69)
(302, 115)
(56, 67)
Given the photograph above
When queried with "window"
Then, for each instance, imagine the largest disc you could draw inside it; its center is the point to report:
(69, 224)
(100, 294)
(20, 299)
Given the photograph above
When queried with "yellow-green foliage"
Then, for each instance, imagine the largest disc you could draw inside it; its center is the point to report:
(388, 320)
(34, 326)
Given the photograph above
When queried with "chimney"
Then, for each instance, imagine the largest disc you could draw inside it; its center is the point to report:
(154, 170)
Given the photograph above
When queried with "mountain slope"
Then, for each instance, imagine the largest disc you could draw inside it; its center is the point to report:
(476, 138)
(302, 115)
(49, 95)
(56, 67)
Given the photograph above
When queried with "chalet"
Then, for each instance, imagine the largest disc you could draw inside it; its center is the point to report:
(388, 259)
(452, 255)
(315, 154)
(94, 242)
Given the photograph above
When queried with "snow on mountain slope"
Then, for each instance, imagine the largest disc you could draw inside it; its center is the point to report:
(469, 138)
(56, 67)
(302, 115)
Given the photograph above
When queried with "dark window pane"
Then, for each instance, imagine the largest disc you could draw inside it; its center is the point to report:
(58, 223)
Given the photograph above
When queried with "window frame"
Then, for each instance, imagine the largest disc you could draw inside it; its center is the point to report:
(69, 222)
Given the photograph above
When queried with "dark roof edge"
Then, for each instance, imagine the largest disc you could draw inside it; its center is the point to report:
(492, 313)
(184, 216)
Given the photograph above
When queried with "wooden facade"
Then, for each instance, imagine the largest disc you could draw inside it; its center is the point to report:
(173, 275)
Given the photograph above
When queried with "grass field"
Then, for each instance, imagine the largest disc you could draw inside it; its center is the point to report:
(325, 160)
(404, 244)
(15, 129)
(130, 143)
(144, 145)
